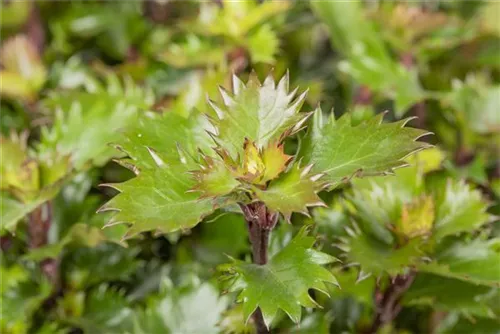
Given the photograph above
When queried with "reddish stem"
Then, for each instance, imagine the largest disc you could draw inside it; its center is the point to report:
(38, 230)
(260, 222)
(388, 301)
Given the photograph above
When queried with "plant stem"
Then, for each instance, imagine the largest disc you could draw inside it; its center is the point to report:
(388, 303)
(34, 29)
(260, 222)
(38, 230)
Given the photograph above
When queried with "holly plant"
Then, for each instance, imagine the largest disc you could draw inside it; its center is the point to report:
(237, 158)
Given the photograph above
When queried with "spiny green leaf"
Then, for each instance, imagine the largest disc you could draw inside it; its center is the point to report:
(293, 191)
(172, 138)
(341, 150)
(459, 209)
(377, 258)
(451, 295)
(157, 200)
(261, 114)
(162, 151)
(475, 261)
(283, 282)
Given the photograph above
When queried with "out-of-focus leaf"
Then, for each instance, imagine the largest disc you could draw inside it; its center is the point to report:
(233, 322)
(377, 258)
(235, 19)
(79, 234)
(368, 59)
(176, 307)
(263, 45)
(283, 282)
(104, 113)
(451, 295)
(316, 322)
(14, 14)
(18, 170)
(51, 328)
(226, 236)
(417, 218)
(459, 209)
(106, 262)
(21, 297)
(488, 17)
(453, 323)
(475, 261)
(113, 27)
(23, 73)
(12, 211)
(106, 311)
(354, 285)
(476, 104)
(194, 51)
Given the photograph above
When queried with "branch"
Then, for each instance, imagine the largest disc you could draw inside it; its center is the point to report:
(388, 302)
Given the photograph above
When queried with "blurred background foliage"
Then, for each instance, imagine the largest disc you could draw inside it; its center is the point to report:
(75, 74)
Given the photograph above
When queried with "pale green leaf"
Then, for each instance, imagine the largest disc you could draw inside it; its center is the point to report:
(259, 113)
(293, 191)
(283, 282)
(214, 179)
(19, 172)
(235, 18)
(263, 45)
(185, 309)
(23, 73)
